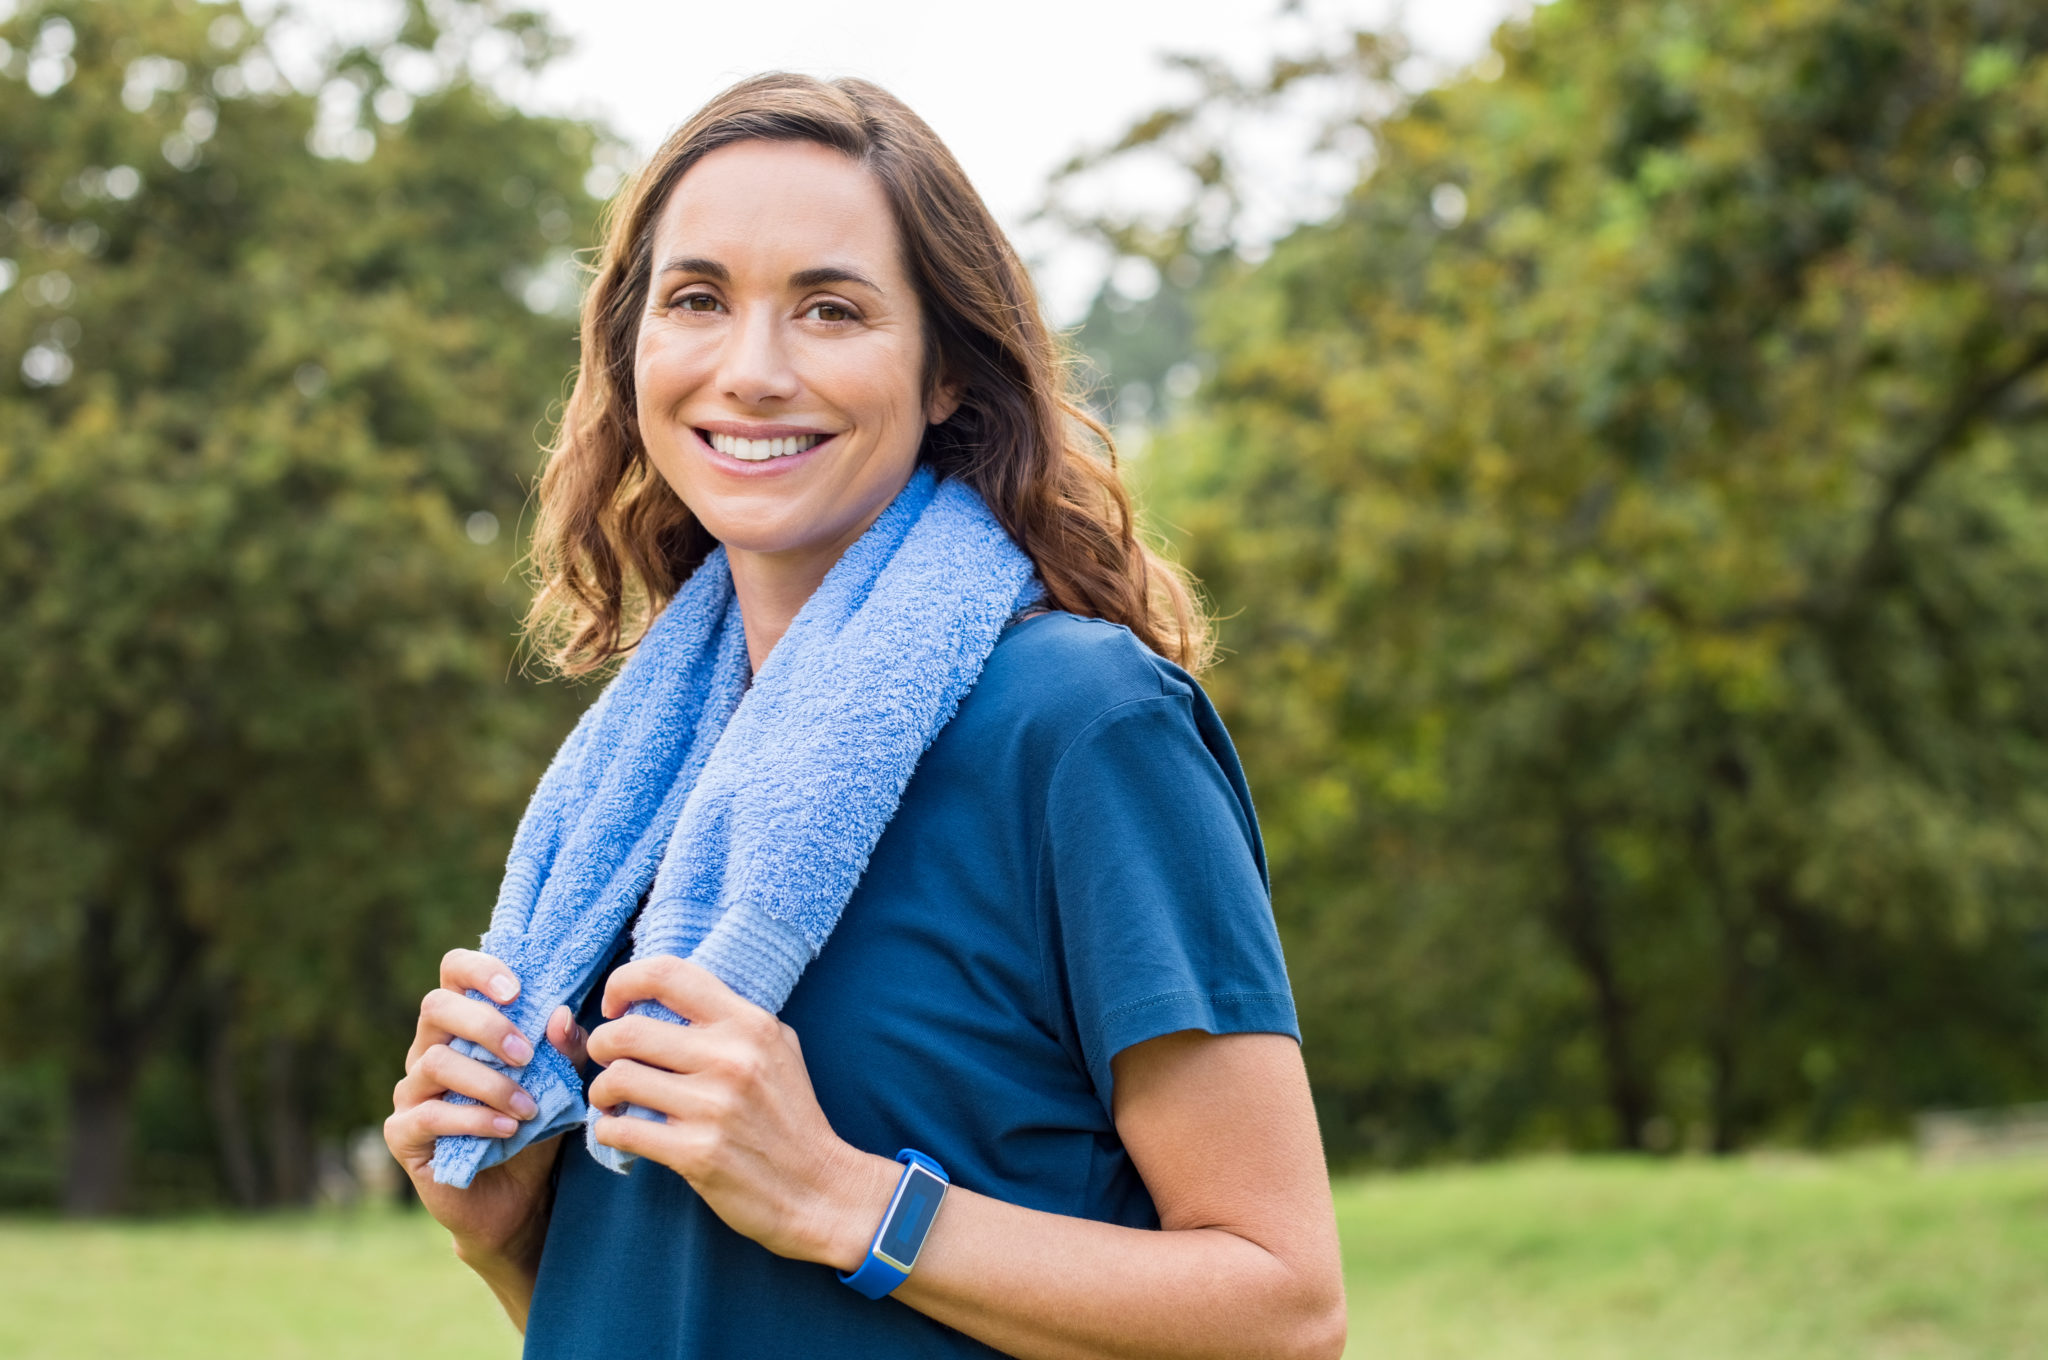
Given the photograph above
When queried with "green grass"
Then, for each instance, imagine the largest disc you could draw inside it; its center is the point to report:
(1763, 1259)
(1867, 1257)
(301, 1287)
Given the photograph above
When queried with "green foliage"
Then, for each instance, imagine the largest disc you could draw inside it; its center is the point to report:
(1628, 515)
(261, 743)
(1138, 344)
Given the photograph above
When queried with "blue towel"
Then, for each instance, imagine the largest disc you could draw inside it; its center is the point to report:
(750, 809)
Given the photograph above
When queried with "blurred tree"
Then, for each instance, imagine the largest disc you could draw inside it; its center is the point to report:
(277, 359)
(1630, 520)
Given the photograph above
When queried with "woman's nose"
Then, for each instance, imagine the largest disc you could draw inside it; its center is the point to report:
(755, 368)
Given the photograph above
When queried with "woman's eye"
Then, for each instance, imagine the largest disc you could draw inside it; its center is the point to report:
(829, 311)
(696, 302)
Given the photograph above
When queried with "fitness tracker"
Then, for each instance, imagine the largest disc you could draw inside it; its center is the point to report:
(901, 1236)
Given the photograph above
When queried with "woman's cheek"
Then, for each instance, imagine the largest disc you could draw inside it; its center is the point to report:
(873, 381)
(670, 365)
(670, 368)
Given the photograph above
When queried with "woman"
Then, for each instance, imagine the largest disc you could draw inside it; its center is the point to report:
(1057, 977)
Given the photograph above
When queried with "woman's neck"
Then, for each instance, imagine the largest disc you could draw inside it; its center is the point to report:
(773, 586)
(771, 589)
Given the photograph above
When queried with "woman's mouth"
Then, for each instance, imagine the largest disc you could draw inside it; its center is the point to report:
(760, 450)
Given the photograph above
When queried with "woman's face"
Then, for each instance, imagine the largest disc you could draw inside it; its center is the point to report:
(780, 363)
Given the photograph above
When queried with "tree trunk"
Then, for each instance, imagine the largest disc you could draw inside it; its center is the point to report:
(230, 1121)
(291, 1148)
(100, 1086)
(1733, 926)
(1580, 921)
(102, 1106)
(1724, 1038)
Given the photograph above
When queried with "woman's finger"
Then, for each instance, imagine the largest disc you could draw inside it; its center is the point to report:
(627, 1082)
(441, 1069)
(570, 1039)
(688, 989)
(675, 1048)
(463, 971)
(415, 1130)
(464, 1017)
(468, 970)
(425, 1034)
(662, 1143)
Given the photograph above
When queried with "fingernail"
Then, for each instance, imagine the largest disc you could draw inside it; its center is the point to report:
(503, 987)
(523, 1106)
(504, 1123)
(518, 1050)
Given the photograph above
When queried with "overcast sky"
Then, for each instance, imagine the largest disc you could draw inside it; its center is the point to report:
(1014, 89)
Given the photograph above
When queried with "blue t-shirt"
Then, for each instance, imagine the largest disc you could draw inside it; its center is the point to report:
(1074, 868)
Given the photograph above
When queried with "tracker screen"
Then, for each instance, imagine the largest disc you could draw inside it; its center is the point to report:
(922, 1192)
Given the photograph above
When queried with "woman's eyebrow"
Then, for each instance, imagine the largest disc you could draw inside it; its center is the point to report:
(710, 269)
(829, 274)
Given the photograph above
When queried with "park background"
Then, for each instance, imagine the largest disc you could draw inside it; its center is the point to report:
(1615, 444)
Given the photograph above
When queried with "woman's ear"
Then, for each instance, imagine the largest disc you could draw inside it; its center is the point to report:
(942, 401)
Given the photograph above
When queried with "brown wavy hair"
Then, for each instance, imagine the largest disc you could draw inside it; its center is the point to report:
(613, 542)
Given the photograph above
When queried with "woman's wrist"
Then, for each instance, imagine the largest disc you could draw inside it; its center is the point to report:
(512, 1255)
(518, 1257)
(855, 1201)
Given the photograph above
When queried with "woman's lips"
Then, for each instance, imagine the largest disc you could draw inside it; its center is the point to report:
(761, 449)
(747, 457)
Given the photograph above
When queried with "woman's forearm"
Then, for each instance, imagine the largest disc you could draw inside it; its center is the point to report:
(512, 1267)
(1035, 1284)
(1219, 1127)
(511, 1280)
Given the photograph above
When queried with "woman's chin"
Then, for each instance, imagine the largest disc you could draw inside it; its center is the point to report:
(780, 530)
(818, 507)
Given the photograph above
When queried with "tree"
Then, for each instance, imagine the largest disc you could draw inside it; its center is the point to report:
(280, 372)
(1626, 514)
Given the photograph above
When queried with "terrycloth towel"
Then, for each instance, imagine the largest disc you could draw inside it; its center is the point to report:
(752, 809)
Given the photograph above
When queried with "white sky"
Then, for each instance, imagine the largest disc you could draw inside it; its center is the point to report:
(1015, 89)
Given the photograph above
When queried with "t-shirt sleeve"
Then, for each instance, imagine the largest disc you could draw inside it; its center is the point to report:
(1160, 916)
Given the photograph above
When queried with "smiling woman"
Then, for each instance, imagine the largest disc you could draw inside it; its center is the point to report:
(834, 352)
(900, 761)
(902, 252)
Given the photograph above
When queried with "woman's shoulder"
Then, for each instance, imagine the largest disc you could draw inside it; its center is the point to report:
(1055, 678)
(1063, 671)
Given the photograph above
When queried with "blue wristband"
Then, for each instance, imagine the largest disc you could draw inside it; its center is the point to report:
(906, 1222)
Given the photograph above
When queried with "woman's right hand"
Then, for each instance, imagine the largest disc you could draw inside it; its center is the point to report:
(500, 1221)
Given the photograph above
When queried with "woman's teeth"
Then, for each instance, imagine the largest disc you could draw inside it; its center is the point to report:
(757, 450)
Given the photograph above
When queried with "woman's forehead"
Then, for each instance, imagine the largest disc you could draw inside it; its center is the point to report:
(770, 210)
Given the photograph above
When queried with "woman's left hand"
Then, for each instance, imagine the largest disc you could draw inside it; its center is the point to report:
(743, 1124)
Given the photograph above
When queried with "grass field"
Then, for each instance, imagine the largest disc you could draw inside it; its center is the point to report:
(1866, 1256)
